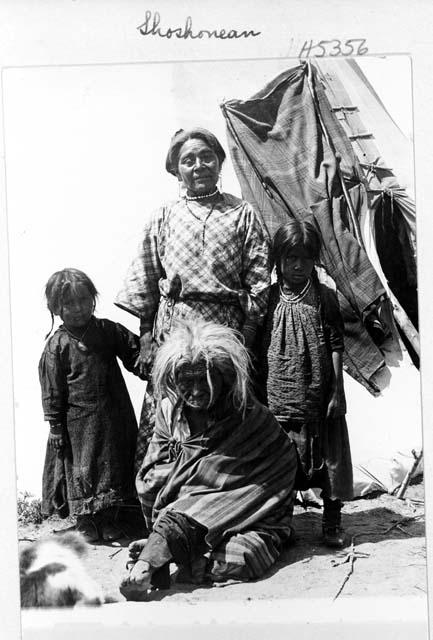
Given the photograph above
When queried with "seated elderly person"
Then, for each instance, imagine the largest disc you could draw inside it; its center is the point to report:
(216, 484)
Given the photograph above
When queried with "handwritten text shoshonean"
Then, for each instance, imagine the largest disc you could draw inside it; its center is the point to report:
(150, 27)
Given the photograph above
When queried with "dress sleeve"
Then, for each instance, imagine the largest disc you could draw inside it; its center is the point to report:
(53, 385)
(332, 318)
(256, 271)
(140, 292)
(127, 348)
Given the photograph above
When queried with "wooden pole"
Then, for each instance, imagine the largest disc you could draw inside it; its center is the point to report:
(409, 474)
(400, 314)
(405, 324)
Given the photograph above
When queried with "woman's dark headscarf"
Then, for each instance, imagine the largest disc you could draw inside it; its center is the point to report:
(181, 136)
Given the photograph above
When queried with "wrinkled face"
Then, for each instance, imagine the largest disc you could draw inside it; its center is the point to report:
(296, 267)
(198, 167)
(77, 307)
(192, 384)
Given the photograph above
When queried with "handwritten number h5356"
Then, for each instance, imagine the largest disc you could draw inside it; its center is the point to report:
(333, 48)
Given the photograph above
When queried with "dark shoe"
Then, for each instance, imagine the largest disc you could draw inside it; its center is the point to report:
(334, 537)
(333, 534)
(88, 528)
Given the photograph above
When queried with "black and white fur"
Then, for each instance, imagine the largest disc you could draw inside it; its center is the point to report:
(52, 573)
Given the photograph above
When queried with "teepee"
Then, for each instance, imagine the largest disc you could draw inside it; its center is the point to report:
(317, 141)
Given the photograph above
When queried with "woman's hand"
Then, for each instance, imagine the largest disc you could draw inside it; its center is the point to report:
(140, 575)
(147, 353)
(135, 548)
(336, 404)
(56, 441)
(337, 401)
(136, 583)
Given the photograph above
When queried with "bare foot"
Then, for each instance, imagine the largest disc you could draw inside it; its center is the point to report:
(136, 584)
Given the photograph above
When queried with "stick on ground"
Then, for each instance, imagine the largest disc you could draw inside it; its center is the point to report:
(350, 558)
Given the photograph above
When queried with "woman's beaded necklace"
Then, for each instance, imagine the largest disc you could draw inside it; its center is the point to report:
(295, 297)
(204, 196)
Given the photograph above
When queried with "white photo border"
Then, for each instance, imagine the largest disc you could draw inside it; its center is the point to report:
(85, 32)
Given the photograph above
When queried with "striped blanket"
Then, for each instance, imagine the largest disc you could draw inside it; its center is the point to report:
(235, 478)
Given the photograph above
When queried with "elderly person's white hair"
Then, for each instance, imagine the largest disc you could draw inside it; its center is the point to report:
(219, 347)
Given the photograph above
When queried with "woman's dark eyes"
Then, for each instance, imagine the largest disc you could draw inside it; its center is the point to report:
(191, 160)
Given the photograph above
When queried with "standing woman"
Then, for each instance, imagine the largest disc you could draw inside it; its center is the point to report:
(205, 255)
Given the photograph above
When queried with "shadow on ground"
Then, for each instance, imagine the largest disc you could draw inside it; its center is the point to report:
(305, 564)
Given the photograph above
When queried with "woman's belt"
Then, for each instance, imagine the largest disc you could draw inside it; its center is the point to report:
(203, 297)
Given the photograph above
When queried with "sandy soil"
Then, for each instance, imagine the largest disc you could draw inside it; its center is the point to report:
(387, 544)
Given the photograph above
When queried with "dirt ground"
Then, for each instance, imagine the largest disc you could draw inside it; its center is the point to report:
(386, 556)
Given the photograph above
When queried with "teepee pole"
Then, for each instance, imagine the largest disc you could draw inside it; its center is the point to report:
(405, 323)
(409, 474)
(399, 313)
(352, 213)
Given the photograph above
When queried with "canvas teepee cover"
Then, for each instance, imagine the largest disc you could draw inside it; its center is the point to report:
(284, 142)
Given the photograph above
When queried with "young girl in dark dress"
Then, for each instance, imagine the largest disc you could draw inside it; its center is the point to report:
(93, 430)
(302, 362)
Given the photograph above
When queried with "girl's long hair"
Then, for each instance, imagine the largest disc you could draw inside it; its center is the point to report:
(217, 346)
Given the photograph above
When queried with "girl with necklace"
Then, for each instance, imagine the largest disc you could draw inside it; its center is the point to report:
(89, 461)
(302, 362)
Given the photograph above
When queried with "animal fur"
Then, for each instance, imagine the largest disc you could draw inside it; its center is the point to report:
(52, 573)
